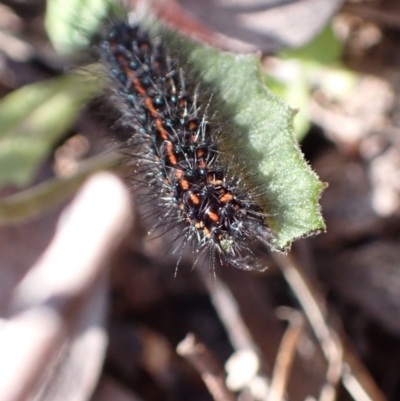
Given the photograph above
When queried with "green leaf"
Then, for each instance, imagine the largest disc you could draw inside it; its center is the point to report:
(33, 119)
(38, 199)
(295, 90)
(301, 68)
(70, 24)
(325, 49)
(263, 137)
(292, 189)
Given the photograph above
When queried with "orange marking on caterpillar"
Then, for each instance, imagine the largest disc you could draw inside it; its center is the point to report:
(192, 125)
(131, 75)
(214, 182)
(138, 86)
(184, 184)
(170, 153)
(226, 198)
(149, 104)
(200, 153)
(121, 59)
(195, 199)
(213, 216)
(161, 129)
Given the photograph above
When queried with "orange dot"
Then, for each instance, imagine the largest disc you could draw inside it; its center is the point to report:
(171, 156)
(139, 87)
(192, 125)
(226, 198)
(184, 185)
(149, 104)
(213, 216)
(200, 152)
(195, 199)
(161, 129)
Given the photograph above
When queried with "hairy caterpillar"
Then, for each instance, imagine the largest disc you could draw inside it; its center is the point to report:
(176, 143)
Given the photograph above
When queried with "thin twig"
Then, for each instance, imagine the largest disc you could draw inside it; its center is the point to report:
(247, 353)
(328, 341)
(285, 356)
(206, 364)
(341, 365)
(229, 313)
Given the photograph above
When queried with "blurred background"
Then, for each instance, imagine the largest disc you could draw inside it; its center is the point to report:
(252, 337)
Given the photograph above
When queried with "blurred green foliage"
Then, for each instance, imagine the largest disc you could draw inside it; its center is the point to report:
(300, 71)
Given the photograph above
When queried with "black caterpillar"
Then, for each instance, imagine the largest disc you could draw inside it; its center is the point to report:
(176, 149)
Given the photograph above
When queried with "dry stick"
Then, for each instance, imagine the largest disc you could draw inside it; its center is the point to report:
(228, 311)
(208, 367)
(328, 341)
(330, 346)
(286, 353)
(356, 379)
